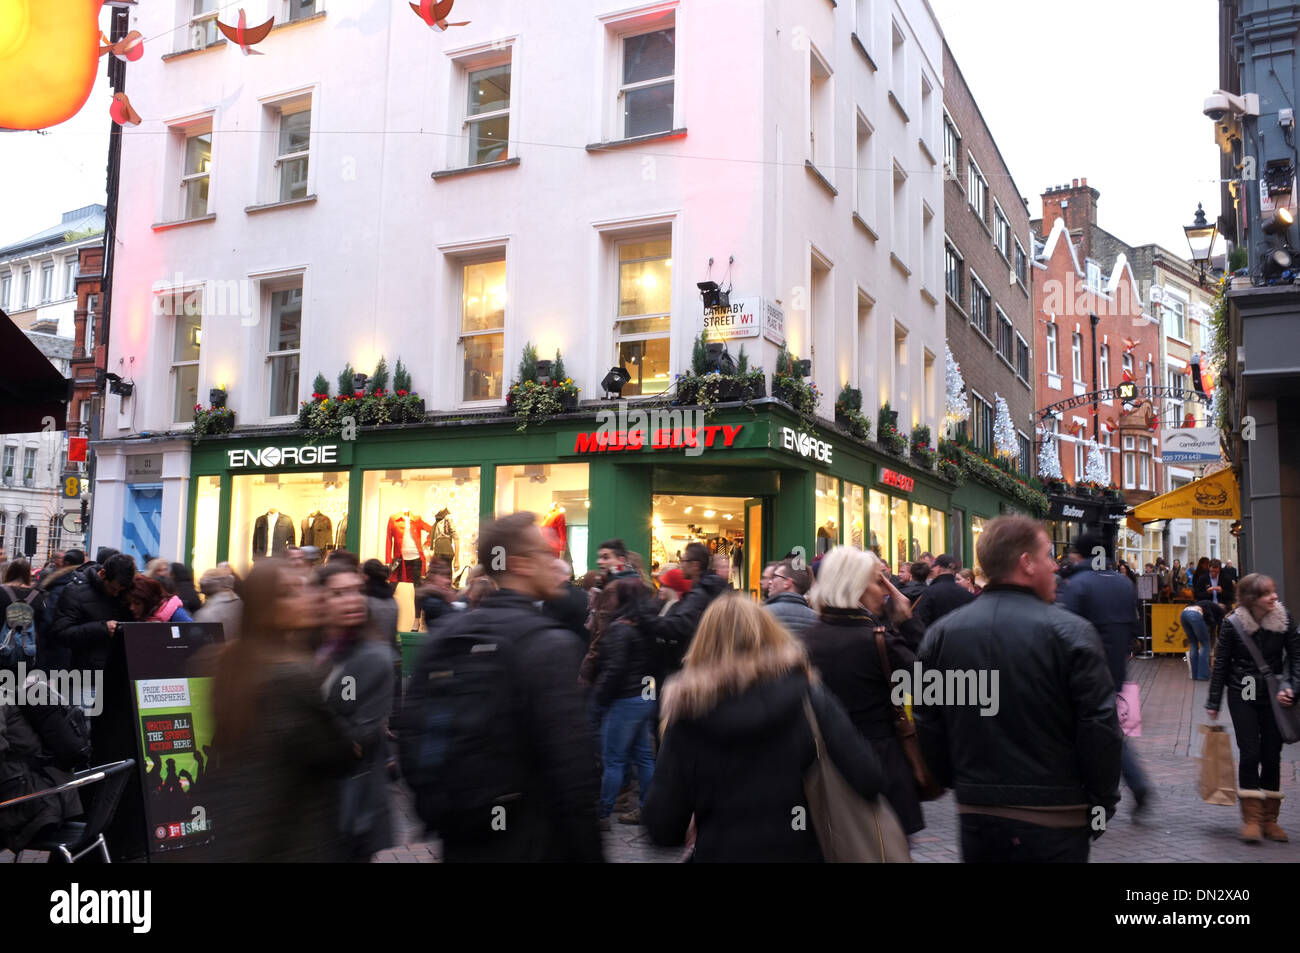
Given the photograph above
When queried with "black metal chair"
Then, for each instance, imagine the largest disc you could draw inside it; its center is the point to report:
(70, 841)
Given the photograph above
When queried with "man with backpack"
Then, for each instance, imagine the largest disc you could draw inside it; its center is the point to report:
(495, 738)
(20, 606)
(51, 586)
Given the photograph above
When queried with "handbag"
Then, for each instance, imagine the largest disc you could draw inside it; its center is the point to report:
(1288, 719)
(1128, 706)
(927, 788)
(1218, 778)
(850, 828)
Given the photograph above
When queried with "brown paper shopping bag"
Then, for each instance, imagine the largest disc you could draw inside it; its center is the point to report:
(1218, 773)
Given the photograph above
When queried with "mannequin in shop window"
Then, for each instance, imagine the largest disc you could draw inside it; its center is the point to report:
(407, 537)
(556, 531)
(827, 537)
(318, 531)
(341, 534)
(445, 542)
(273, 528)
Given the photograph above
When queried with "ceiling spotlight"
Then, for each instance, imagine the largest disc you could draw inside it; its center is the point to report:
(728, 516)
(688, 510)
(710, 513)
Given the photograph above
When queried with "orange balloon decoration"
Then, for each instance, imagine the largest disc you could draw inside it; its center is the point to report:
(49, 53)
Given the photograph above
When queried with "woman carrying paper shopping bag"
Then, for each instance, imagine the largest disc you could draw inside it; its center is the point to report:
(1254, 637)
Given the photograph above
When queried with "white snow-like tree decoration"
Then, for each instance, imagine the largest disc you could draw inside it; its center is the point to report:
(956, 404)
(1049, 457)
(1097, 470)
(1004, 431)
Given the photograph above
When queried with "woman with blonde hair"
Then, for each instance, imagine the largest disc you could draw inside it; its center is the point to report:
(737, 742)
(1264, 621)
(856, 602)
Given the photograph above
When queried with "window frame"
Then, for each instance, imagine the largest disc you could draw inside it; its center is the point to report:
(981, 423)
(952, 255)
(47, 282)
(1026, 449)
(1144, 463)
(1103, 367)
(1022, 348)
(183, 297)
(986, 297)
(270, 288)
(275, 108)
(187, 133)
(951, 163)
(1076, 357)
(1178, 330)
(70, 264)
(621, 89)
(9, 460)
(208, 30)
(29, 466)
(485, 256)
(1001, 232)
(1052, 347)
(1129, 453)
(865, 185)
(1022, 264)
(1005, 329)
(821, 105)
(977, 188)
(468, 66)
(6, 289)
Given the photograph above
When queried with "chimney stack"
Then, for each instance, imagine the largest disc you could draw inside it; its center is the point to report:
(1077, 204)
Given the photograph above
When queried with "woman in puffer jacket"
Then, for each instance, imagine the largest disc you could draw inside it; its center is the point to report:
(737, 742)
(1261, 618)
(150, 602)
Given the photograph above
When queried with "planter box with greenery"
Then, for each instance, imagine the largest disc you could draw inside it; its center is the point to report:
(996, 474)
(848, 413)
(324, 416)
(887, 434)
(801, 395)
(212, 420)
(923, 455)
(705, 388)
(533, 401)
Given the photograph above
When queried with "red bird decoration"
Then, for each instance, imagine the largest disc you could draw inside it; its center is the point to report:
(128, 49)
(1127, 376)
(1074, 429)
(1189, 421)
(1129, 345)
(435, 13)
(244, 35)
(121, 111)
(1111, 426)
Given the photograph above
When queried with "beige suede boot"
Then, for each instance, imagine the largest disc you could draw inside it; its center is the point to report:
(1252, 805)
(1268, 818)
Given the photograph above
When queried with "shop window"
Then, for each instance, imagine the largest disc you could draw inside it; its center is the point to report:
(412, 517)
(827, 513)
(855, 515)
(482, 327)
(207, 507)
(284, 350)
(938, 532)
(878, 510)
(644, 314)
(271, 512)
(559, 494)
(920, 541)
(976, 529)
(902, 532)
(186, 339)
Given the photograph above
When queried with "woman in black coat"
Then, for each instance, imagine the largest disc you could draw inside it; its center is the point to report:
(183, 580)
(851, 594)
(1264, 620)
(737, 743)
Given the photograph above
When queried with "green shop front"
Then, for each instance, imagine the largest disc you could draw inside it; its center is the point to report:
(753, 483)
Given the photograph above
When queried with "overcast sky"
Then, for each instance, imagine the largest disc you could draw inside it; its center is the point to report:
(1111, 90)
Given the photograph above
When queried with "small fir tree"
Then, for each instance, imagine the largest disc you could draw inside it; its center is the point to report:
(379, 379)
(528, 364)
(320, 385)
(401, 377)
(557, 371)
(346, 382)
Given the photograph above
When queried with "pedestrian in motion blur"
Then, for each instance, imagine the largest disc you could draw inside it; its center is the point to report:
(357, 663)
(737, 742)
(1110, 603)
(280, 750)
(1035, 770)
(850, 594)
(1265, 622)
(221, 604)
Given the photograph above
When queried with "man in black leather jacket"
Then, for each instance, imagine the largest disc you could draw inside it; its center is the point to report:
(1036, 772)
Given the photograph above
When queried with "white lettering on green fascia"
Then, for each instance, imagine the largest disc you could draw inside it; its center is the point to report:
(269, 457)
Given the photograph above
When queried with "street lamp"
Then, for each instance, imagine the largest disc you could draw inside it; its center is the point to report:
(1200, 239)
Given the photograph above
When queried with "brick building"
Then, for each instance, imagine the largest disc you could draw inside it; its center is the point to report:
(988, 282)
(90, 344)
(1078, 277)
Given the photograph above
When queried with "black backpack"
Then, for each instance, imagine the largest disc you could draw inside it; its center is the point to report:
(460, 740)
(63, 729)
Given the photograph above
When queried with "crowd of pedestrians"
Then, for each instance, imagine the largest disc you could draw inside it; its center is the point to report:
(544, 708)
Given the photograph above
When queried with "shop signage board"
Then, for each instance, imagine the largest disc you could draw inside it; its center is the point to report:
(804, 444)
(1194, 445)
(742, 318)
(898, 481)
(276, 457)
(710, 437)
(171, 689)
(1072, 510)
(144, 468)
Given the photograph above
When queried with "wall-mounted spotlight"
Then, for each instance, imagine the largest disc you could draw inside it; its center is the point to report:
(614, 382)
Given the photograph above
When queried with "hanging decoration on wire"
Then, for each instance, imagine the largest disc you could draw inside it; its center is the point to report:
(244, 36)
(128, 49)
(435, 14)
(122, 111)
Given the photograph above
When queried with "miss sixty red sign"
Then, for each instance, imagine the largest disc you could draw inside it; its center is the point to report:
(680, 438)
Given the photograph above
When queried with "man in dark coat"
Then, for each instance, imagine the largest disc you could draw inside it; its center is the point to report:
(89, 609)
(1036, 766)
(554, 818)
(913, 586)
(1110, 603)
(1215, 586)
(943, 594)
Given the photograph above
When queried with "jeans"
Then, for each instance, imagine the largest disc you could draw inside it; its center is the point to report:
(1258, 741)
(625, 738)
(999, 840)
(1198, 643)
(1134, 777)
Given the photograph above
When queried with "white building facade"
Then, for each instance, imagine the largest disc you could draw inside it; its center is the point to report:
(560, 174)
(38, 274)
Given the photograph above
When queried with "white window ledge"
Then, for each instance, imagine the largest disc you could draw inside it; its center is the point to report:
(305, 200)
(1053, 381)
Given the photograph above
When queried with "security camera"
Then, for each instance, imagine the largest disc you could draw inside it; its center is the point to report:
(1220, 105)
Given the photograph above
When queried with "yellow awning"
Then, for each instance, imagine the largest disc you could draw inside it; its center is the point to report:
(1215, 497)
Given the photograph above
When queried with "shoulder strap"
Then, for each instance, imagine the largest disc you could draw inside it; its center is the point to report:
(1251, 647)
(31, 596)
(819, 743)
(879, 634)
